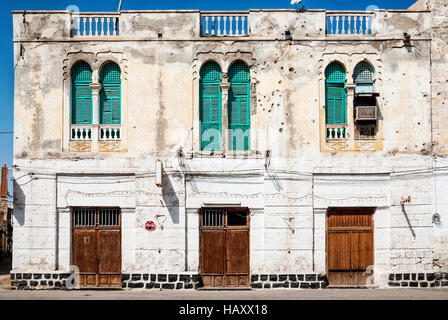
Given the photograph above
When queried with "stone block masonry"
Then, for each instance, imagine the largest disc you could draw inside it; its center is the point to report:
(28, 281)
(292, 281)
(418, 280)
(170, 281)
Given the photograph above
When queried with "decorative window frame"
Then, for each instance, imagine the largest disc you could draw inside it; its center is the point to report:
(349, 61)
(96, 60)
(224, 60)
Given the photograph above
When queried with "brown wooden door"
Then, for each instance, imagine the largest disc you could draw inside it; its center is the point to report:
(97, 246)
(349, 245)
(225, 248)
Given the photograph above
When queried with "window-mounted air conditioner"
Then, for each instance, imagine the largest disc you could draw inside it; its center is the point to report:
(366, 113)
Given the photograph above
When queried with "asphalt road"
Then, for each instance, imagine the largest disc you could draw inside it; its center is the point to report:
(273, 294)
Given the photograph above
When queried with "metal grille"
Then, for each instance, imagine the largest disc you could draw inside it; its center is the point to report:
(335, 73)
(81, 72)
(84, 217)
(366, 132)
(108, 217)
(363, 73)
(239, 72)
(213, 218)
(110, 73)
(92, 217)
(210, 72)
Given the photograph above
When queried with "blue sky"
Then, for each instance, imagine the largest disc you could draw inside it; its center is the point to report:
(6, 48)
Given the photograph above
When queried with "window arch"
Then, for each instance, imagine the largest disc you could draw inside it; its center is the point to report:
(110, 96)
(363, 77)
(82, 103)
(239, 107)
(210, 106)
(335, 95)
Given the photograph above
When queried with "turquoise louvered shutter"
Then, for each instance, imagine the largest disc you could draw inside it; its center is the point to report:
(335, 95)
(81, 94)
(335, 104)
(239, 107)
(110, 102)
(210, 107)
(110, 108)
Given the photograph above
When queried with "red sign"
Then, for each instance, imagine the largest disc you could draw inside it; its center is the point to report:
(150, 225)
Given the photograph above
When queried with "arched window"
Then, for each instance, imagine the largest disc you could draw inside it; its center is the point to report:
(239, 107)
(210, 106)
(81, 75)
(110, 96)
(335, 95)
(363, 76)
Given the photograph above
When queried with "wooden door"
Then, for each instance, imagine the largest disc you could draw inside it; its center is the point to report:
(224, 248)
(97, 246)
(349, 245)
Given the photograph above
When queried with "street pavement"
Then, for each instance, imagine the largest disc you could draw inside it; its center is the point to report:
(270, 294)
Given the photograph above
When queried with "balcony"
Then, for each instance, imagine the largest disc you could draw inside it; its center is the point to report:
(224, 24)
(187, 25)
(349, 23)
(95, 25)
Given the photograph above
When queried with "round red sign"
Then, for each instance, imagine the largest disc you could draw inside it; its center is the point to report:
(150, 225)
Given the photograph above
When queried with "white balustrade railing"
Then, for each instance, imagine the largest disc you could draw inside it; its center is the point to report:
(336, 131)
(109, 132)
(96, 25)
(225, 24)
(79, 132)
(349, 23)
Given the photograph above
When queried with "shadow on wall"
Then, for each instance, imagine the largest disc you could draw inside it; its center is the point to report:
(407, 219)
(171, 201)
(19, 204)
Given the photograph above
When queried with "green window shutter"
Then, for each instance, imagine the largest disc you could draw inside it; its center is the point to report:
(81, 104)
(87, 118)
(81, 75)
(110, 98)
(335, 95)
(210, 107)
(335, 104)
(239, 107)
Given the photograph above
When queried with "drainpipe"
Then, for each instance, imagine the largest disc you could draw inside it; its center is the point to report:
(312, 205)
(56, 254)
(186, 221)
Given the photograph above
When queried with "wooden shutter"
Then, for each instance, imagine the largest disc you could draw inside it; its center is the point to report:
(239, 107)
(335, 104)
(210, 107)
(110, 104)
(81, 94)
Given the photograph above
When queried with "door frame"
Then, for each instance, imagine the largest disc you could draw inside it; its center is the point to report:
(372, 214)
(96, 228)
(224, 229)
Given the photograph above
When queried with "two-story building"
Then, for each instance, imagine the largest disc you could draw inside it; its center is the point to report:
(262, 148)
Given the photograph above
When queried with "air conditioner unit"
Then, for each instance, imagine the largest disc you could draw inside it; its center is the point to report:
(366, 113)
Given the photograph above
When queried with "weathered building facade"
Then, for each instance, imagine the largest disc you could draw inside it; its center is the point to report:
(269, 148)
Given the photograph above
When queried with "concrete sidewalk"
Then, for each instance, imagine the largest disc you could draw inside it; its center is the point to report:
(273, 294)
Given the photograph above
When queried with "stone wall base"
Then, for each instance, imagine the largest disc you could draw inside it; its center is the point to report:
(27, 281)
(169, 281)
(418, 280)
(293, 281)
(176, 281)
